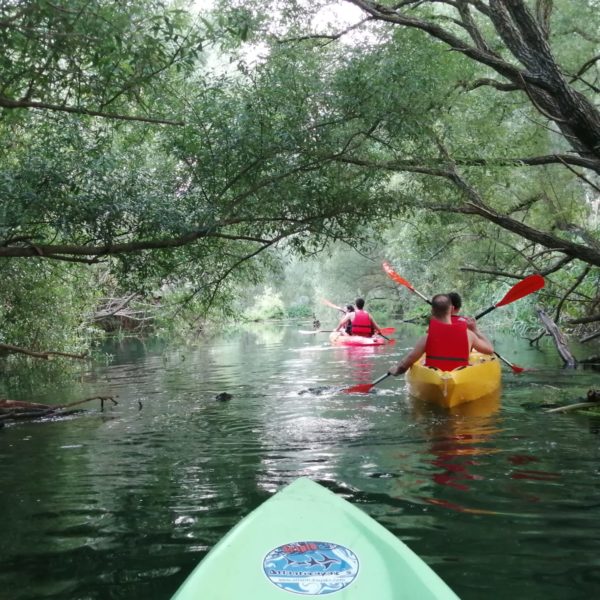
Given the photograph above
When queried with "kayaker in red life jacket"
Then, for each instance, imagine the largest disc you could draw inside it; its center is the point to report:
(361, 322)
(446, 346)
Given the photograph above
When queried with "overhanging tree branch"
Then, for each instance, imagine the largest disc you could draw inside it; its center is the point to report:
(526, 40)
(475, 205)
(26, 104)
(526, 161)
(66, 251)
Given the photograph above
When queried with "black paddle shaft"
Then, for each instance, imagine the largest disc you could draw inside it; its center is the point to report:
(485, 312)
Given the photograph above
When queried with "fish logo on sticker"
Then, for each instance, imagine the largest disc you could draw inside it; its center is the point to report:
(311, 568)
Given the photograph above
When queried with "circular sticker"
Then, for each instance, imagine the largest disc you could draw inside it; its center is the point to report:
(311, 568)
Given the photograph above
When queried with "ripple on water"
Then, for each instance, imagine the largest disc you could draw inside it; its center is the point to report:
(501, 501)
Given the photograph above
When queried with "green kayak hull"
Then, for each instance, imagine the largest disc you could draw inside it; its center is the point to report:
(306, 541)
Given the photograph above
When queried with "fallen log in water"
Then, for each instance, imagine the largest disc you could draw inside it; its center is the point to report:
(593, 401)
(45, 354)
(591, 336)
(19, 409)
(591, 360)
(559, 340)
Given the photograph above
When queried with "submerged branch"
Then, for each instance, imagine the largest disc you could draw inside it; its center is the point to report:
(46, 355)
(20, 409)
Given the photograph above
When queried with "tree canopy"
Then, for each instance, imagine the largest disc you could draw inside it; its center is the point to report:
(172, 146)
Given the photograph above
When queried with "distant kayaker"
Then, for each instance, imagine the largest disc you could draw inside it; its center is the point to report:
(446, 346)
(360, 321)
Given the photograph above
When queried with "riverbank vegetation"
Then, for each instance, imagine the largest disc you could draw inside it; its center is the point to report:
(162, 163)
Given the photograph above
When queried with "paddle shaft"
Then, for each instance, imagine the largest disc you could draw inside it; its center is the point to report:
(379, 379)
(420, 295)
(485, 312)
(515, 368)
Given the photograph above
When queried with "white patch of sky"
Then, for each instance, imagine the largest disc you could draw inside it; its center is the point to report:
(331, 18)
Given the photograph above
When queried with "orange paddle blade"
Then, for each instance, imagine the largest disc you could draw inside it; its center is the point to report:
(388, 269)
(393, 275)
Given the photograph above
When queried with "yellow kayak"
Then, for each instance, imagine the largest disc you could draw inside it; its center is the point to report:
(450, 388)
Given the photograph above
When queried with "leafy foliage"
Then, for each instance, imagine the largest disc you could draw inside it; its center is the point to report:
(176, 167)
(42, 305)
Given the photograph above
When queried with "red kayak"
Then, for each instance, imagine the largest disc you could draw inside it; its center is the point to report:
(337, 338)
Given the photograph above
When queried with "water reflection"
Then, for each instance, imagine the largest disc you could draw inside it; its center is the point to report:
(458, 439)
(125, 502)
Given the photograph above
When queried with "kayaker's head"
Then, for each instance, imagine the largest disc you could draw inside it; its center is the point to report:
(360, 303)
(349, 308)
(456, 301)
(441, 306)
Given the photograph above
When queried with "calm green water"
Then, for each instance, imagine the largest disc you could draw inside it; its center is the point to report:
(502, 500)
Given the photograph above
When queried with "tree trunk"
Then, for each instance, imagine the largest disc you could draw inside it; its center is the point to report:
(559, 340)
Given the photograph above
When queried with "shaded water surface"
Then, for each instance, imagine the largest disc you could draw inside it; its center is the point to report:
(500, 498)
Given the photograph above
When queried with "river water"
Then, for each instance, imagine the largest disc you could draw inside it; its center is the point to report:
(501, 498)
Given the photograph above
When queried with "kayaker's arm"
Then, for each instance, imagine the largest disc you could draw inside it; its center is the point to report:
(342, 324)
(406, 363)
(376, 328)
(480, 342)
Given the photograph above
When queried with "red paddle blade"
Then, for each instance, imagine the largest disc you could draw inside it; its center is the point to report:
(526, 286)
(361, 388)
(388, 269)
(516, 369)
(364, 388)
(387, 330)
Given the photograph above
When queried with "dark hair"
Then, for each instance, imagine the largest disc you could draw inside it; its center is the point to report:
(359, 303)
(440, 305)
(349, 308)
(455, 299)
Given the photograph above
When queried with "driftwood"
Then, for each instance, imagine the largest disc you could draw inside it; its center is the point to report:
(115, 314)
(559, 339)
(19, 409)
(590, 319)
(591, 360)
(46, 355)
(593, 401)
(570, 407)
(592, 336)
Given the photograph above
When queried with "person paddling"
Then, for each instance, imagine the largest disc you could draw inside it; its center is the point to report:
(456, 306)
(348, 328)
(457, 319)
(360, 321)
(446, 345)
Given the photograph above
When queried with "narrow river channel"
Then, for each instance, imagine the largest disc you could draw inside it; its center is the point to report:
(500, 498)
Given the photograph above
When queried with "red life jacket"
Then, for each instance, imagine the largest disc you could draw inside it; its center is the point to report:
(458, 320)
(362, 324)
(447, 346)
